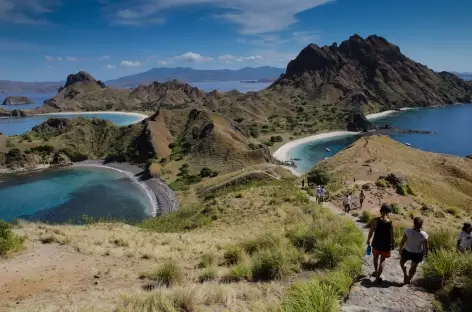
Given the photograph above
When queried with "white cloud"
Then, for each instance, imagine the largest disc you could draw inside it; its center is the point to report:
(228, 59)
(105, 57)
(110, 66)
(52, 58)
(133, 18)
(164, 63)
(252, 16)
(130, 63)
(49, 66)
(71, 58)
(193, 58)
(26, 11)
(306, 37)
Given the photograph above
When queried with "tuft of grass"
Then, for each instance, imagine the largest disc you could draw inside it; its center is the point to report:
(382, 183)
(395, 208)
(168, 274)
(239, 273)
(441, 239)
(366, 217)
(303, 237)
(9, 241)
(261, 242)
(311, 296)
(274, 262)
(207, 260)
(208, 274)
(440, 267)
(453, 210)
(233, 255)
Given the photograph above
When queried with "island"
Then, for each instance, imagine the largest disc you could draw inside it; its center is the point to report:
(17, 100)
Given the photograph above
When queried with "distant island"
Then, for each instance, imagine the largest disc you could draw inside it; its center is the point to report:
(264, 80)
(17, 100)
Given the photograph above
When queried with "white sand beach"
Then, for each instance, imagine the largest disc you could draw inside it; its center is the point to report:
(282, 152)
(138, 115)
(379, 115)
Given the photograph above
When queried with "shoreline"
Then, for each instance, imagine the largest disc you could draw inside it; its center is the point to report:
(140, 116)
(386, 113)
(282, 152)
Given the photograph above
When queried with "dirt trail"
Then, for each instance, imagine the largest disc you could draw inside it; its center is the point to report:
(392, 295)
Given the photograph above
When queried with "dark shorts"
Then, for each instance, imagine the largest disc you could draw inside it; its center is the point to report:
(413, 256)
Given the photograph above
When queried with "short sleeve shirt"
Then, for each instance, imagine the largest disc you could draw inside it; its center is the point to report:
(415, 240)
(465, 240)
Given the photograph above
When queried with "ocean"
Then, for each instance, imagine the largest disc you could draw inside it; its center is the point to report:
(451, 125)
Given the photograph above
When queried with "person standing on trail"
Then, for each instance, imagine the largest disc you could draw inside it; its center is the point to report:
(383, 242)
(322, 194)
(347, 202)
(414, 247)
(361, 198)
(318, 194)
(303, 184)
(464, 240)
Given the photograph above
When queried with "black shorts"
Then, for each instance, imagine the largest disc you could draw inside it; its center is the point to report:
(413, 256)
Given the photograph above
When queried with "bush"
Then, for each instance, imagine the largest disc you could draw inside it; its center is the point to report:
(277, 138)
(168, 274)
(261, 242)
(402, 189)
(233, 255)
(205, 172)
(453, 210)
(254, 132)
(239, 273)
(303, 237)
(9, 241)
(311, 296)
(74, 155)
(319, 176)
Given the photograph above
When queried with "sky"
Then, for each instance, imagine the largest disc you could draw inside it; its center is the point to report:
(45, 40)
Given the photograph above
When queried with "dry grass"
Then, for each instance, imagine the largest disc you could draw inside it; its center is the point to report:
(203, 256)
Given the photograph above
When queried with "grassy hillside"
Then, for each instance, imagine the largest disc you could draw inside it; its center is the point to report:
(251, 248)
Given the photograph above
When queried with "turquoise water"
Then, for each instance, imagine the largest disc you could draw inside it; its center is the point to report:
(15, 126)
(452, 126)
(65, 195)
(38, 99)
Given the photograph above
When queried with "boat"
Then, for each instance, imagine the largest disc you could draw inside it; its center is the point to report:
(407, 144)
(328, 150)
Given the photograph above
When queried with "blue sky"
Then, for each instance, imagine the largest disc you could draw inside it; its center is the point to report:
(45, 40)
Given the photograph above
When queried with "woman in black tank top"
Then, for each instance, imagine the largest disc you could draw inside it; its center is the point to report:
(383, 242)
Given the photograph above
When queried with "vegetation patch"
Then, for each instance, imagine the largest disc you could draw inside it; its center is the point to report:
(9, 241)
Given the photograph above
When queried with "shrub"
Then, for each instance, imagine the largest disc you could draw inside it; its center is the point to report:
(402, 189)
(319, 176)
(239, 273)
(208, 274)
(303, 237)
(274, 262)
(9, 241)
(329, 254)
(205, 172)
(441, 239)
(261, 242)
(311, 296)
(395, 208)
(254, 132)
(233, 255)
(381, 183)
(74, 155)
(453, 210)
(440, 267)
(277, 138)
(168, 274)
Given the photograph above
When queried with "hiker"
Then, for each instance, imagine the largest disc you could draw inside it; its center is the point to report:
(383, 242)
(347, 202)
(414, 247)
(361, 198)
(464, 240)
(318, 194)
(322, 194)
(303, 184)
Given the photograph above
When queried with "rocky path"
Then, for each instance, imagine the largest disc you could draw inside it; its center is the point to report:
(392, 295)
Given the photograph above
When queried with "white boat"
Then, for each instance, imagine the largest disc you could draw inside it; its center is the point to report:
(407, 144)
(328, 150)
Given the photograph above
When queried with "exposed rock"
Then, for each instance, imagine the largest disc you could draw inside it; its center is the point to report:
(358, 122)
(17, 100)
(468, 156)
(14, 113)
(81, 77)
(52, 127)
(372, 72)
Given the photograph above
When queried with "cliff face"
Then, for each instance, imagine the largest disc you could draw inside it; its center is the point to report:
(372, 74)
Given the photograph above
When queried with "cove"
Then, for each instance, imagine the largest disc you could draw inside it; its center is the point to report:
(452, 126)
(17, 125)
(65, 195)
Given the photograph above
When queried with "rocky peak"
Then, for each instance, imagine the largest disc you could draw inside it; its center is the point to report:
(81, 77)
